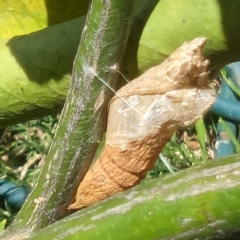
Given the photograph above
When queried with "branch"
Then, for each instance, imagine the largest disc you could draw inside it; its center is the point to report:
(198, 203)
(83, 119)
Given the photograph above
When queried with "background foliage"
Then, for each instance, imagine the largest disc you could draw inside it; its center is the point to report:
(22, 151)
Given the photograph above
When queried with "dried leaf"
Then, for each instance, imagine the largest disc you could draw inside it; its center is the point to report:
(143, 115)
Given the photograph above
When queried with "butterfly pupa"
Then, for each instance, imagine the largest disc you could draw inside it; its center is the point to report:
(142, 117)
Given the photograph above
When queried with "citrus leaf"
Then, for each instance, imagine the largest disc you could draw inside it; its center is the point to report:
(26, 16)
(2, 225)
(175, 21)
(35, 77)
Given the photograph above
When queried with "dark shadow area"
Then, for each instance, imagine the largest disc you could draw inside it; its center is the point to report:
(230, 11)
(141, 15)
(48, 53)
(228, 236)
(61, 11)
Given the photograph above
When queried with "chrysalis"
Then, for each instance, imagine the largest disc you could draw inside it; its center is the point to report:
(142, 118)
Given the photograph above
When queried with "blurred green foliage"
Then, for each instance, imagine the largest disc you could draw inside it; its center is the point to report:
(22, 151)
(185, 149)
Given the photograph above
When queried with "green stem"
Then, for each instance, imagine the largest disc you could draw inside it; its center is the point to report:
(83, 118)
(198, 203)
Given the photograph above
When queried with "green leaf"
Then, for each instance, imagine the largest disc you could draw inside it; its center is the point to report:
(175, 21)
(2, 225)
(26, 16)
(202, 137)
(35, 77)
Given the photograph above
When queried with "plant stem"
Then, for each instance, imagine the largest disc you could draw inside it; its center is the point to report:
(83, 118)
(198, 203)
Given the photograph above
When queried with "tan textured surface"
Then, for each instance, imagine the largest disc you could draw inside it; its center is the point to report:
(143, 115)
(115, 171)
(185, 67)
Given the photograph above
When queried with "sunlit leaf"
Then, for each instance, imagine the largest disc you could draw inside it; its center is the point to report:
(2, 225)
(26, 16)
(176, 21)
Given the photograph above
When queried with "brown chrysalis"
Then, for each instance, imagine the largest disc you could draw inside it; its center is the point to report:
(143, 115)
